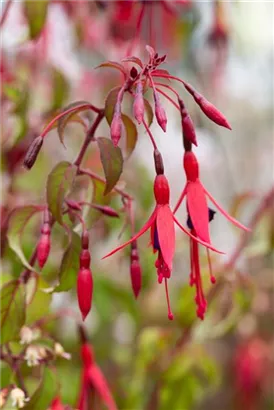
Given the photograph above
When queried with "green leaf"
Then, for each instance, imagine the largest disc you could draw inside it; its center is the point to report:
(77, 106)
(45, 393)
(112, 161)
(38, 301)
(149, 112)
(36, 15)
(60, 89)
(69, 265)
(18, 220)
(13, 310)
(110, 103)
(60, 181)
(131, 134)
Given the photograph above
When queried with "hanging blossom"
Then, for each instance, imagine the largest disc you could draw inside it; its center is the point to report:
(199, 217)
(18, 398)
(93, 379)
(162, 231)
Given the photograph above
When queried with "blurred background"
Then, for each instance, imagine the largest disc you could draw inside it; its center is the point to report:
(225, 50)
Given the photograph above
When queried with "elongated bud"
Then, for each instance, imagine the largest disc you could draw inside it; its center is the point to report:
(106, 210)
(191, 166)
(138, 105)
(73, 205)
(116, 128)
(160, 112)
(158, 162)
(209, 109)
(33, 152)
(187, 124)
(43, 248)
(135, 270)
(161, 190)
(56, 404)
(84, 291)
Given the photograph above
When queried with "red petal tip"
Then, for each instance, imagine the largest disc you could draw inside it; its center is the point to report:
(170, 316)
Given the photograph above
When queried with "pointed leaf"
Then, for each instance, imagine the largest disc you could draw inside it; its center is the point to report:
(46, 391)
(60, 181)
(198, 209)
(113, 64)
(36, 15)
(62, 122)
(149, 112)
(133, 59)
(112, 161)
(131, 134)
(166, 233)
(17, 222)
(110, 104)
(38, 302)
(69, 265)
(13, 310)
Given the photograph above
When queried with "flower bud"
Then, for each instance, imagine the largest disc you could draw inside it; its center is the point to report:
(187, 124)
(138, 105)
(106, 210)
(60, 351)
(191, 166)
(209, 109)
(84, 291)
(56, 404)
(32, 152)
(116, 128)
(43, 247)
(135, 270)
(161, 190)
(73, 205)
(160, 112)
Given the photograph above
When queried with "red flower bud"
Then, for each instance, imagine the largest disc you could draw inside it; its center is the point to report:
(32, 152)
(84, 259)
(116, 128)
(161, 190)
(106, 210)
(73, 205)
(209, 109)
(84, 291)
(191, 166)
(56, 404)
(43, 247)
(138, 105)
(160, 112)
(187, 124)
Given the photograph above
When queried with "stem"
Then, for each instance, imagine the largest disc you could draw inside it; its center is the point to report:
(5, 12)
(68, 111)
(150, 135)
(138, 30)
(97, 177)
(168, 98)
(89, 138)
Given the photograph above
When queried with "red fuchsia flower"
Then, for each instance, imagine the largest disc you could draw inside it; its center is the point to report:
(198, 222)
(84, 279)
(93, 381)
(56, 404)
(161, 225)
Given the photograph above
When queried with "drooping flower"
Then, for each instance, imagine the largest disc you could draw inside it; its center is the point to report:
(93, 380)
(135, 270)
(196, 195)
(84, 278)
(161, 224)
(18, 398)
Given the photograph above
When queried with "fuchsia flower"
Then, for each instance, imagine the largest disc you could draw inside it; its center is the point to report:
(198, 222)
(93, 381)
(161, 224)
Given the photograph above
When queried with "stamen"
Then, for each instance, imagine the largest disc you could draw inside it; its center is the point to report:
(212, 277)
(170, 314)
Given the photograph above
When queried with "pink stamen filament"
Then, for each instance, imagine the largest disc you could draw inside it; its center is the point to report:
(170, 314)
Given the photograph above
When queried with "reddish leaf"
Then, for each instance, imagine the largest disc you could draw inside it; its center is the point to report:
(110, 104)
(133, 59)
(198, 209)
(166, 233)
(112, 161)
(113, 64)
